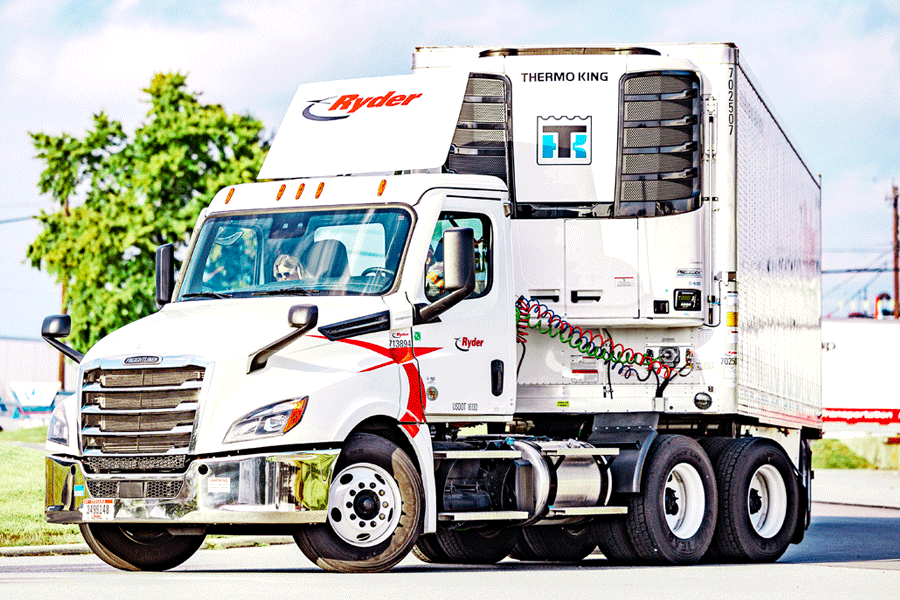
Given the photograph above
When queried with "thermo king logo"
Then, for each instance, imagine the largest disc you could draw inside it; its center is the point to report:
(564, 140)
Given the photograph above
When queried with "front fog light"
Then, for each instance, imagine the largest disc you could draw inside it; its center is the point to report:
(58, 429)
(275, 419)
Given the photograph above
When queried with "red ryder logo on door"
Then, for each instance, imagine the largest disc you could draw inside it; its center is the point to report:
(465, 343)
(341, 107)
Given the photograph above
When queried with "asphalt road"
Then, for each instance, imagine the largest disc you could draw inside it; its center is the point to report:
(849, 552)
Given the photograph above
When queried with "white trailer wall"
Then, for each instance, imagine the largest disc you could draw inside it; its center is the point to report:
(779, 268)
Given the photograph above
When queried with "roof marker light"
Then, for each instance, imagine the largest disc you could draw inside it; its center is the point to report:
(280, 192)
(230, 194)
(319, 191)
(300, 191)
(381, 187)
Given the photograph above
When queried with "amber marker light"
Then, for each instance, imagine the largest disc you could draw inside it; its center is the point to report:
(296, 414)
(280, 192)
(300, 191)
(381, 187)
(319, 190)
(230, 194)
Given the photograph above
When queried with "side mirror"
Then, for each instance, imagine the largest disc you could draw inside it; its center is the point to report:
(459, 258)
(56, 326)
(165, 274)
(303, 316)
(59, 326)
(459, 272)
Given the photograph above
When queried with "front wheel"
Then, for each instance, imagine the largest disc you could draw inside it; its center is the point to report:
(674, 518)
(139, 547)
(375, 509)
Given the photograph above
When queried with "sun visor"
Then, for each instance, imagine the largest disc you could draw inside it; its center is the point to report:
(371, 125)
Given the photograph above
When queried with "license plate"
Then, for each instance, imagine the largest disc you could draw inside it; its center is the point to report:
(98, 509)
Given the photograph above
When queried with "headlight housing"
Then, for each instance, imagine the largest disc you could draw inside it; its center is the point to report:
(58, 429)
(274, 419)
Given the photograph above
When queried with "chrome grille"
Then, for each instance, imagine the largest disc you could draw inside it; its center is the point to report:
(138, 399)
(134, 489)
(132, 444)
(125, 464)
(139, 411)
(659, 164)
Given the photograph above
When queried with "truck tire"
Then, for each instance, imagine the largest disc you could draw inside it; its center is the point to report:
(375, 509)
(612, 538)
(674, 518)
(758, 501)
(139, 547)
(428, 549)
(475, 546)
(563, 543)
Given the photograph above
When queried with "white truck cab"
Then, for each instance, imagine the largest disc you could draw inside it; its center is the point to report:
(487, 309)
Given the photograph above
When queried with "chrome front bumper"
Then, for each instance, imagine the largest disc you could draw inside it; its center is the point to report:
(289, 488)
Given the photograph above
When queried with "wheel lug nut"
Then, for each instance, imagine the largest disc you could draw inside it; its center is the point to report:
(372, 485)
(384, 504)
(374, 523)
(381, 492)
(381, 516)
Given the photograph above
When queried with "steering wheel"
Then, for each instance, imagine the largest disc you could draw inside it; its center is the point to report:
(378, 272)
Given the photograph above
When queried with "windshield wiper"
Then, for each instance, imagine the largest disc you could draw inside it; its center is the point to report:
(205, 295)
(290, 291)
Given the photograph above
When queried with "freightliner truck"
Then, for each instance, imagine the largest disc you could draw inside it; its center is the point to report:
(521, 302)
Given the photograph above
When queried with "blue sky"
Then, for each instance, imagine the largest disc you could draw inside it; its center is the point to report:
(831, 70)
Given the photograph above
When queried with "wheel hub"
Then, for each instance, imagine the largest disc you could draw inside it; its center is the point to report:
(364, 505)
(684, 500)
(767, 501)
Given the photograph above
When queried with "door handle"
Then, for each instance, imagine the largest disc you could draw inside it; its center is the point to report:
(586, 295)
(496, 377)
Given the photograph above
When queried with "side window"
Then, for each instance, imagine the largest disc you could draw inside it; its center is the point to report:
(434, 264)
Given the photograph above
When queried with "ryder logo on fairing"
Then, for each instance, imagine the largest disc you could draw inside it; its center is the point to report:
(341, 107)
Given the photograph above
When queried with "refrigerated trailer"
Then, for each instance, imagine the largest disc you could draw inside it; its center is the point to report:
(522, 302)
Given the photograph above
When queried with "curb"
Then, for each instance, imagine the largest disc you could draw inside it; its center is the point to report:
(210, 544)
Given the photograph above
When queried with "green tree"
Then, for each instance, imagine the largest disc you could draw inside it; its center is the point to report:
(121, 196)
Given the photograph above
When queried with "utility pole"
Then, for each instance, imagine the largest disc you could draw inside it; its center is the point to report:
(63, 310)
(896, 260)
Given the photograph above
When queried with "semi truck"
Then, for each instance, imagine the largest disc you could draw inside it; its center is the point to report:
(523, 302)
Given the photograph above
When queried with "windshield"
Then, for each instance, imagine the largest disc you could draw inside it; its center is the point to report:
(309, 252)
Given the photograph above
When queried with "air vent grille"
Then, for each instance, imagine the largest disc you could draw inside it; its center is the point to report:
(481, 142)
(659, 164)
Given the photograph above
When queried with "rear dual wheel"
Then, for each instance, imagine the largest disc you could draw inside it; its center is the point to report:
(674, 519)
(484, 546)
(563, 543)
(758, 501)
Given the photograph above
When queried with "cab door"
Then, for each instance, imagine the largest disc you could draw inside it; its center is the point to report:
(467, 355)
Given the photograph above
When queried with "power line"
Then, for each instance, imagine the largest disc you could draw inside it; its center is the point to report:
(16, 220)
(867, 270)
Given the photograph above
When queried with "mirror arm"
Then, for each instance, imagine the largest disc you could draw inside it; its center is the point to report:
(66, 350)
(429, 312)
(257, 360)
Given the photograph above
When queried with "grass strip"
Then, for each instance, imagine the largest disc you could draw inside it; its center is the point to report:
(22, 520)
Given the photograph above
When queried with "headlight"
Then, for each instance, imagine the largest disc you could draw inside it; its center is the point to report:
(275, 419)
(58, 430)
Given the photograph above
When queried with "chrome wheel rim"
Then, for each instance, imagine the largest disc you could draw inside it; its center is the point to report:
(364, 505)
